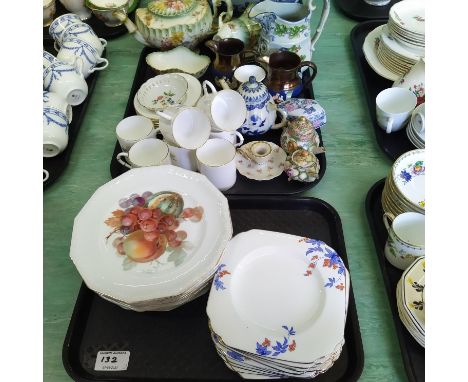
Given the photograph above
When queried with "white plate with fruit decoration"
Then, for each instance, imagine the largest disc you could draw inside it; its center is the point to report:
(153, 232)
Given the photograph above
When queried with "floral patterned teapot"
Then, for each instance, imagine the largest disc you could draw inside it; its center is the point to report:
(302, 166)
(166, 24)
(286, 26)
(300, 134)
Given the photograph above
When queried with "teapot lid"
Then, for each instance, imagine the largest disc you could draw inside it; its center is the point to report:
(171, 8)
(254, 91)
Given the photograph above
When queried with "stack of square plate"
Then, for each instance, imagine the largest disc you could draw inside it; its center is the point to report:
(393, 49)
(416, 128)
(410, 299)
(277, 305)
(151, 238)
(404, 189)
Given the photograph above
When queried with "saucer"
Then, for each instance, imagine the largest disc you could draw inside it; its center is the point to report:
(272, 169)
(194, 90)
(162, 91)
(369, 48)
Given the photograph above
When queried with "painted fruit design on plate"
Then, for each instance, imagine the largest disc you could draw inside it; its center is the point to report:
(147, 225)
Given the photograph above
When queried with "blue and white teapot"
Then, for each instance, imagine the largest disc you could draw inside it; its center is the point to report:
(261, 109)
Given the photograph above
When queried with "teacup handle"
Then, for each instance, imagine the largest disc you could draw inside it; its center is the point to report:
(284, 119)
(103, 42)
(121, 161)
(386, 217)
(389, 125)
(206, 84)
(56, 46)
(45, 175)
(164, 115)
(101, 67)
(241, 139)
(311, 65)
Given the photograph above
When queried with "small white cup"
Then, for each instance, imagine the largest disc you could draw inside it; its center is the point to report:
(216, 160)
(145, 153)
(405, 241)
(47, 59)
(55, 101)
(394, 107)
(78, 7)
(132, 129)
(73, 48)
(183, 158)
(54, 132)
(186, 127)
(66, 80)
(61, 23)
(229, 136)
(243, 73)
(84, 32)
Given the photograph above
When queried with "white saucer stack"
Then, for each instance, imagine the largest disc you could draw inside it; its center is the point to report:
(410, 299)
(277, 306)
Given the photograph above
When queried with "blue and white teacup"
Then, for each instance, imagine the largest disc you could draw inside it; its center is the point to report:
(47, 59)
(73, 48)
(55, 101)
(84, 32)
(54, 132)
(67, 80)
(61, 23)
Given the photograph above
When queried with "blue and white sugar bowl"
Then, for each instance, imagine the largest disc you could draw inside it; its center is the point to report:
(309, 108)
(261, 109)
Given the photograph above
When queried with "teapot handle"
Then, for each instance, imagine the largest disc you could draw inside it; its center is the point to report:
(311, 65)
(216, 4)
(323, 20)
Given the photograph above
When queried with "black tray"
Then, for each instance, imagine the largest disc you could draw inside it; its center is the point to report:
(243, 185)
(360, 10)
(155, 339)
(393, 144)
(103, 31)
(413, 354)
(57, 164)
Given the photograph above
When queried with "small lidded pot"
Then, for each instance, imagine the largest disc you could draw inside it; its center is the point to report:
(302, 165)
(300, 134)
(261, 110)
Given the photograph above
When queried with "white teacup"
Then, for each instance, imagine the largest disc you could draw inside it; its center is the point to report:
(67, 81)
(183, 158)
(216, 160)
(78, 7)
(132, 129)
(186, 127)
(73, 48)
(84, 32)
(226, 108)
(145, 153)
(394, 107)
(243, 73)
(54, 133)
(105, 10)
(414, 80)
(61, 23)
(47, 59)
(48, 12)
(55, 101)
(405, 238)
(229, 136)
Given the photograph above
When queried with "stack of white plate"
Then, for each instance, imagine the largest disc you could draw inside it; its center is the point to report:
(151, 238)
(277, 305)
(416, 128)
(393, 49)
(410, 299)
(404, 189)
(194, 92)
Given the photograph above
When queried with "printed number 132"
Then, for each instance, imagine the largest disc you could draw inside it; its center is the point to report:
(109, 359)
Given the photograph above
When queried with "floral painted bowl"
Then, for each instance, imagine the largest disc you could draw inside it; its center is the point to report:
(180, 59)
(162, 91)
(408, 176)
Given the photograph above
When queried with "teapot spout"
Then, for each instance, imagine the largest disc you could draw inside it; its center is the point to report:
(131, 27)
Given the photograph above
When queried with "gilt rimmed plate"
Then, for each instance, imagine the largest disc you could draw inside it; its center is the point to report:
(270, 170)
(162, 91)
(369, 48)
(410, 16)
(413, 292)
(410, 53)
(122, 260)
(273, 291)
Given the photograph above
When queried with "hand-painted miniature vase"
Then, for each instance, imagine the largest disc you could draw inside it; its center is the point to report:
(302, 166)
(300, 134)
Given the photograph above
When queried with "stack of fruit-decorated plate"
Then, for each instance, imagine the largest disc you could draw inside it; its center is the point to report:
(410, 299)
(277, 305)
(404, 189)
(151, 238)
(393, 49)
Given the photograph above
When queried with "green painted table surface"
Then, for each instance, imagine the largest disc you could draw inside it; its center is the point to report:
(354, 164)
